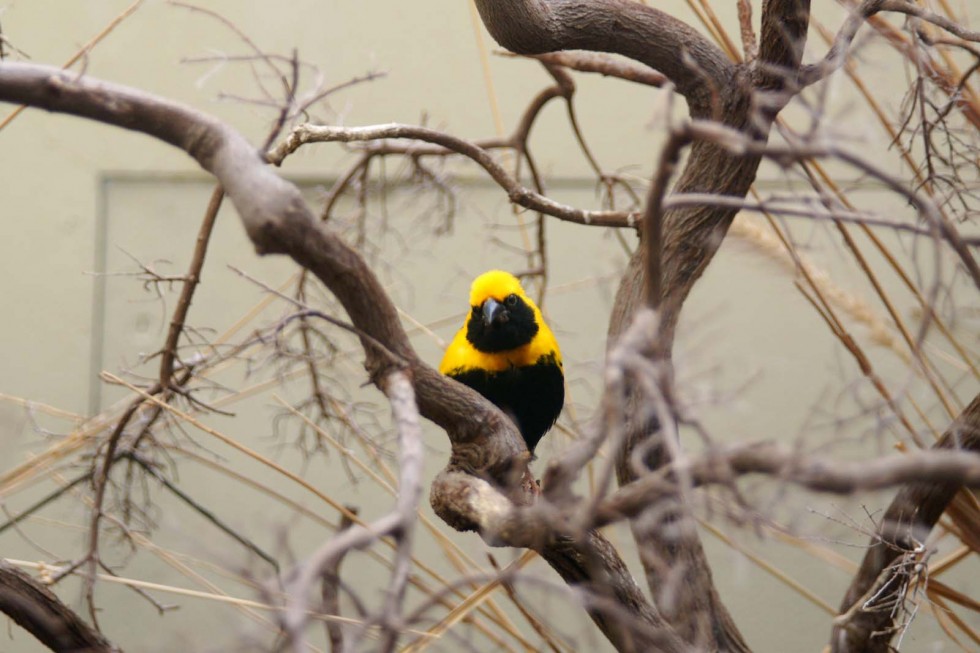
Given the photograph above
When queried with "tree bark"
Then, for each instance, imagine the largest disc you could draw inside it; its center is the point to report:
(714, 88)
(38, 611)
(486, 446)
(866, 624)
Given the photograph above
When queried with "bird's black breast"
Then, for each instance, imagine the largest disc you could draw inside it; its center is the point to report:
(532, 394)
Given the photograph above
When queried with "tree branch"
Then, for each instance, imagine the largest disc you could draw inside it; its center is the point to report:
(516, 192)
(605, 65)
(865, 626)
(695, 65)
(485, 443)
(38, 611)
(585, 560)
(781, 41)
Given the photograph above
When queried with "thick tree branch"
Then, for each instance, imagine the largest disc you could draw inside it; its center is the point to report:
(696, 66)
(585, 560)
(865, 626)
(38, 611)
(689, 239)
(713, 87)
(485, 443)
(278, 221)
(781, 41)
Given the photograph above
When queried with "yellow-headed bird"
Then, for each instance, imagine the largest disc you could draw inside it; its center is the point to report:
(508, 354)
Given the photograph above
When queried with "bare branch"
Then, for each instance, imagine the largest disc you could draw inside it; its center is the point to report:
(330, 591)
(695, 65)
(36, 609)
(517, 193)
(605, 65)
(584, 560)
(407, 422)
(907, 522)
(191, 280)
(837, 54)
(781, 41)
(912, 9)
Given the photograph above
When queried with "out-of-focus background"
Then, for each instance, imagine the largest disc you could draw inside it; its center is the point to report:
(91, 213)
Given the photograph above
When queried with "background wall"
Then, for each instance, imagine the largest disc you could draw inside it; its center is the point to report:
(82, 203)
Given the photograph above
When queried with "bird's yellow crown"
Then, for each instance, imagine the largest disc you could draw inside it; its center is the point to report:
(496, 284)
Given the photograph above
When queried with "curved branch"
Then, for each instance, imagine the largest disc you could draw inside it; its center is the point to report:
(690, 236)
(575, 556)
(518, 194)
(914, 10)
(605, 65)
(696, 66)
(837, 54)
(864, 624)
(277, 221)
(485, 443)
(38, 611)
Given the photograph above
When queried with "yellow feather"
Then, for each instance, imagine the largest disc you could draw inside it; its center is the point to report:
(461, 355)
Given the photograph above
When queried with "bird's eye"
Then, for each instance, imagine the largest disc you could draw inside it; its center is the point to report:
(510, 301)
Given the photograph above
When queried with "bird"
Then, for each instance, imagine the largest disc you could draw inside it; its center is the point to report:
(507, 353)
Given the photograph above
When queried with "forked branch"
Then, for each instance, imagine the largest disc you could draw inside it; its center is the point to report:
(485, 443)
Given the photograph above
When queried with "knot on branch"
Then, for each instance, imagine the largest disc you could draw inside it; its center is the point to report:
(467, 503)
(275, 228)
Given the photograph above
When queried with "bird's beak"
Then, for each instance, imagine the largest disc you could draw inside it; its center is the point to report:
(494, 312)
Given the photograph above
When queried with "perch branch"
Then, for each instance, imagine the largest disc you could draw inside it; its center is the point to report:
(485, 443)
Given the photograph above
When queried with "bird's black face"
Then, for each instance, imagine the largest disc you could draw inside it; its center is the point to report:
(498, 326)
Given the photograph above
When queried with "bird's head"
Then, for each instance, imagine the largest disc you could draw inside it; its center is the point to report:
(502, 317)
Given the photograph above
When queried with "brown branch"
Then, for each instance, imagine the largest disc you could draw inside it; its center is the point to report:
(781, 40)
(517, 193)
(654, 215)
(750, 45)
(191, 281)
(837, 54)
(100, 475)
(864, 626)
(691, 236)
(912, 9)
(38, 611)
(484, 441)
(584, 560)
(815, 473)
(605, 65)
(695, 65)
(330, 590)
